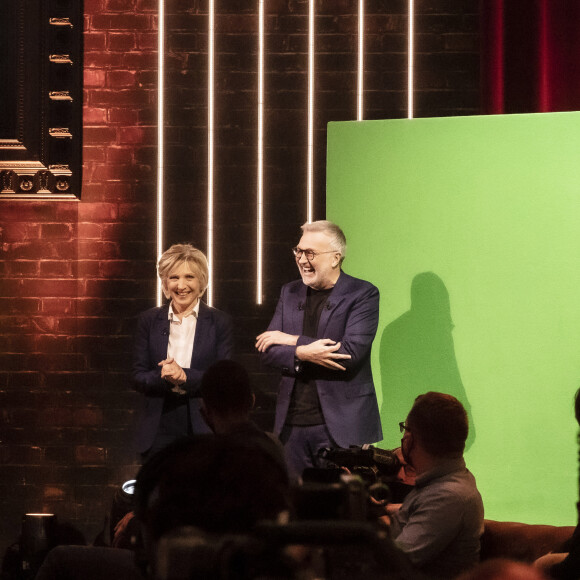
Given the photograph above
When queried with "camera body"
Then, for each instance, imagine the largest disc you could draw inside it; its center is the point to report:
(371, 463)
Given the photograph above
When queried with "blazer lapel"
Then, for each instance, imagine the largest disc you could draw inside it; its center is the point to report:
(161, 333)
(201, 332)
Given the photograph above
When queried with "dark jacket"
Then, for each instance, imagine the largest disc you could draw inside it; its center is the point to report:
(213, 342)
(347, 398)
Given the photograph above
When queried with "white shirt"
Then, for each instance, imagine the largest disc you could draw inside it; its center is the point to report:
(182, 336)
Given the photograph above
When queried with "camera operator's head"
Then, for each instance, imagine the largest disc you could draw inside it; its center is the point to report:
(226, 395)
(436, 428)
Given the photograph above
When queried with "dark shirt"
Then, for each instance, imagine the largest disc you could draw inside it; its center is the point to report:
(305, 405)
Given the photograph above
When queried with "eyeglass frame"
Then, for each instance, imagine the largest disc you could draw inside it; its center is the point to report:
(310, 254)
(403, 427)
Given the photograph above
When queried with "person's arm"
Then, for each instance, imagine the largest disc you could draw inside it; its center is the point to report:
(146, 372)
(355, 344)
(279, 354)
(272, 337)
(278, 349)
(321, 352)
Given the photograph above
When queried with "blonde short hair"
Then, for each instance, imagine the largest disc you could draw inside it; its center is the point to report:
(179, 254)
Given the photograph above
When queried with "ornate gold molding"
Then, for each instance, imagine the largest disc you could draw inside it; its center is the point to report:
(60, 22)
(41, 139)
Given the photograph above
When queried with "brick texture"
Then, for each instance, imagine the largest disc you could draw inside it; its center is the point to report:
(74, 275)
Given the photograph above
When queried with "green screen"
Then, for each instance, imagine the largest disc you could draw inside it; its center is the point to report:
(469, 227)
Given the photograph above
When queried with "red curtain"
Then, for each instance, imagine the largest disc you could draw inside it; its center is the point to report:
(530, 55)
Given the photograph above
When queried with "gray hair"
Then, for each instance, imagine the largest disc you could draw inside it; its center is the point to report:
(179, 254)
(336, 235)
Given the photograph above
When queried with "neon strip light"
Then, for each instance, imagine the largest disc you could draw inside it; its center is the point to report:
(210, 152)
(360, 83)
(160, 136)
(260, 194)
(310, 194)
(411, 59)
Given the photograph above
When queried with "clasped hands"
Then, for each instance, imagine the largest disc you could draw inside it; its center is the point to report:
(173, 373)
(322, 352)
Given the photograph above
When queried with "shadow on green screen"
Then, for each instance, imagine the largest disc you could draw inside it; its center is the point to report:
(417, 353)
(477, 219)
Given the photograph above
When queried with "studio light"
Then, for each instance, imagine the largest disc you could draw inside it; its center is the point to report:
(360, 76)
(210, 148)
(260, 192)
(310, 170)
(410, 58)
(160, 136)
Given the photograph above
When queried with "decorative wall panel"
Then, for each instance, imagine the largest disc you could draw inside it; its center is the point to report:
(41, 99)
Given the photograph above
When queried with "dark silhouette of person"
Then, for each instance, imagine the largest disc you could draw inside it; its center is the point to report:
(218, 484)
(417, 353)
(227, 399)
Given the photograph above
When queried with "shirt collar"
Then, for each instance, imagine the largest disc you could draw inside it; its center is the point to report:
(194, 311)
(446, 467)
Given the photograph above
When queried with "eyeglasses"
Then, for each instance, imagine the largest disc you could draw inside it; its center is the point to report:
(310, 254)
(403, 427)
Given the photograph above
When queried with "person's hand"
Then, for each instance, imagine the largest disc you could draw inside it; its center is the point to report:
(172, 372)
(391, 508)
(271, 337)
(121, 530)
(322, 352)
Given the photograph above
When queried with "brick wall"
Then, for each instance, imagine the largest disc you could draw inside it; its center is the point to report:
(74, 275)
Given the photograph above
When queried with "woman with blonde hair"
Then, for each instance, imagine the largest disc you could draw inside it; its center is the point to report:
(174, 345)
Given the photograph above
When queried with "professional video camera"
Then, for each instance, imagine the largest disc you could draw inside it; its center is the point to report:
(378, 468)
(354, 484)
(371, 463)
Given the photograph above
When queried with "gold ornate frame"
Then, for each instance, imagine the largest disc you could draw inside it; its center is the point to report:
(41, 96)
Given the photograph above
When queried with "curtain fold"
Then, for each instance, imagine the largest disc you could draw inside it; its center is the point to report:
(530, 55)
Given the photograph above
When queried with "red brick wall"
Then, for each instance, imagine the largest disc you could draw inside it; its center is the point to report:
(75, 274)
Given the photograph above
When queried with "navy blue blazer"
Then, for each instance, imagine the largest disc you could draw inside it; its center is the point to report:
(348, 398)
(213, 341)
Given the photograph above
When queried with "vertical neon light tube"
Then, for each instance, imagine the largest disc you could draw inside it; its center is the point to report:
(260, 193)
(411, 59)
(360, 84)
(160, 135)
(210, 152)
(310, 176)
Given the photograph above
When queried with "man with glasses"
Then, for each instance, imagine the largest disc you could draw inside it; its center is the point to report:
(320, 338)
(440, 522)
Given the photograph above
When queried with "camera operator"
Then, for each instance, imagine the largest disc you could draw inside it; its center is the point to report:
(440, 522)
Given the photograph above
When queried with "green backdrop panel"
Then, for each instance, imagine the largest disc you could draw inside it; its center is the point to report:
(470, 228)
